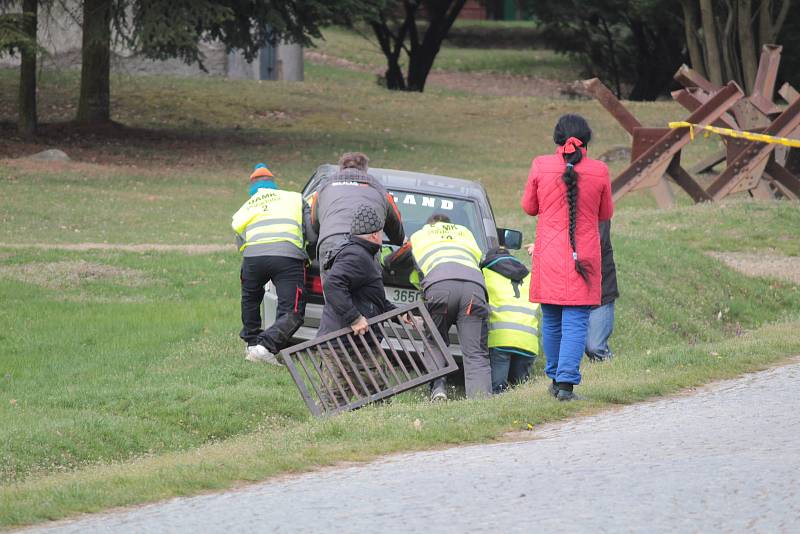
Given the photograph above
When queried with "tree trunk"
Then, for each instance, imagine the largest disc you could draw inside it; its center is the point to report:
(690, 25)
(27, 120)
(768, 29)
(713, 55)
(94, 105)
(394, 76)
(612, 54)
(730, 55)
(747, 45)
(421, 61)
(419, 67)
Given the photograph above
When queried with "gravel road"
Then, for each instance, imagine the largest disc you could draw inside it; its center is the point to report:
(725, 459)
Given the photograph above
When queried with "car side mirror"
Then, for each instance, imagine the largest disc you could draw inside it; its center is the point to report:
(511, 239)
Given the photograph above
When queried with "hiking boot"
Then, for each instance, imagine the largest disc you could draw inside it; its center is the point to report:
(566, 395)
(439, 391)
(598, 357)
(552, 389)
(259, 353)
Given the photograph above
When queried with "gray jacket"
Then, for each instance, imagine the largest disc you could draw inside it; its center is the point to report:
(340, 194)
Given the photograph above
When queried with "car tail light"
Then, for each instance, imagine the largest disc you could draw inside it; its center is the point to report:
(314, 285)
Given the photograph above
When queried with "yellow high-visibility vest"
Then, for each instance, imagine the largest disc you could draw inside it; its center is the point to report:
(270, 216)
(513, 319)
(438, 243)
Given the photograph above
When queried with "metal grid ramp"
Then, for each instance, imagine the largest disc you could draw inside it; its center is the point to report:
(342, 371)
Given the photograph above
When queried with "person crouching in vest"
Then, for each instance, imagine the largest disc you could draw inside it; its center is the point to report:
(513, 319)
(272, 229)
(447, 256)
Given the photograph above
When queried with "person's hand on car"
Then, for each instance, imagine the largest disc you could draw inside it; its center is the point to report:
(360, 325)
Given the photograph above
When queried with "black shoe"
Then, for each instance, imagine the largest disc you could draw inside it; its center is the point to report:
(552, 389)
(597, 358)
(566, 395)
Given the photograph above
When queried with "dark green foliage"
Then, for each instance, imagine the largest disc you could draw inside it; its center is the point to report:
(13, 37)
(635, 46)
(162, 29)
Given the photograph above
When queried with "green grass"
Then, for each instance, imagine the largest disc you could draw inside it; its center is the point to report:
(362, 48)
(121, 377)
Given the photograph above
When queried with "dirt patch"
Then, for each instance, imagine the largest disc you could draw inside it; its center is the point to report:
(117, 144)
(762, 264)
(68, 274)
(480, 83)
(140, 248)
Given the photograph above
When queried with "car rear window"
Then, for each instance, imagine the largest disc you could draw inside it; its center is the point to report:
(416, 208)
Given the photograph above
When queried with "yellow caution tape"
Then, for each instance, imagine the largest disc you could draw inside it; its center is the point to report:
(750, 136)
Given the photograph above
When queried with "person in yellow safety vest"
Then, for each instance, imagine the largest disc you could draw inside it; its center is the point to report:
(513, 319)
(272, 229)
(447, 258)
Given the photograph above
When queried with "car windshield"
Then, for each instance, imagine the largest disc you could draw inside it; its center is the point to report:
(416, 208)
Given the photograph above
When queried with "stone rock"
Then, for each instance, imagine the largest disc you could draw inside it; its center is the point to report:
(52, 154)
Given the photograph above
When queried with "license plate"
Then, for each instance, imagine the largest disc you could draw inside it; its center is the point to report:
(398, 295)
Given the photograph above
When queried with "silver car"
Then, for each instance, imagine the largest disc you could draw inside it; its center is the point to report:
(418, 196)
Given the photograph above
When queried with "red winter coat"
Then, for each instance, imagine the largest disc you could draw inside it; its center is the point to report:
(554, 279)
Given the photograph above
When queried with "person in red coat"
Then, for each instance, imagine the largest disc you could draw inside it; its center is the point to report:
(570, 193)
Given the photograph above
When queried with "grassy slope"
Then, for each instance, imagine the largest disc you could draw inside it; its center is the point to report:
(132, 389)
(541, 63)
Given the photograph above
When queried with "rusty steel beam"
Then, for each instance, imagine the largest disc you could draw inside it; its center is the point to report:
(693, 99)
(658, 157)
(764, 85)
(788, 180)
(686, 181)
(688, 77)
(607, 99)
(661, 190)
(708, 163)
(788, 93)
(756, 154)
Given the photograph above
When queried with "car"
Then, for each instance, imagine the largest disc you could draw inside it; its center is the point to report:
(418, 196)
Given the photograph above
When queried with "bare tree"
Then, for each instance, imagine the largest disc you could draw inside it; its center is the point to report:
(397, 28)
(711, 39)
(747, 43)
(730, 34)
(26, 123)
(770, 20)
(690, 26)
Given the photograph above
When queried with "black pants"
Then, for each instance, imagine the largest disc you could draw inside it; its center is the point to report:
(288, 276)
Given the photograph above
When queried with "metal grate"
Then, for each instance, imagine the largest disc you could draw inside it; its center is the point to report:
(342, 371)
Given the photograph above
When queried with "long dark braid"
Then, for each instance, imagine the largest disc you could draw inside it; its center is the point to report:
(568, 127)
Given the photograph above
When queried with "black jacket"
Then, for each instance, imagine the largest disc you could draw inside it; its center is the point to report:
(353, 286)
(610, 290)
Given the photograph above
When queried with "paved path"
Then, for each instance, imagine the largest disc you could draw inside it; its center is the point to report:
(724, 459)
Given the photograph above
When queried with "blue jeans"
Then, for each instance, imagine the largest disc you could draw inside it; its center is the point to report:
(564, 339)
(508, 368)
(601, 325)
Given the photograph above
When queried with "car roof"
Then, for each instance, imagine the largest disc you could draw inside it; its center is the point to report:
(420, 181)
